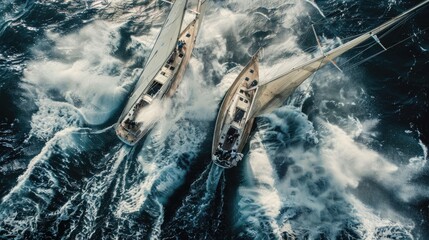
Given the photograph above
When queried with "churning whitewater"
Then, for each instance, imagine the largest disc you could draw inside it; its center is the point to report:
(344, 158)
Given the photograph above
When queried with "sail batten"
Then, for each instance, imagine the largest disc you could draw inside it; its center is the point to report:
(273, 93)
(164, 45)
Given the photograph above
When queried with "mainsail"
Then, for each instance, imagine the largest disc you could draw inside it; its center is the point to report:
(164, 45)
(272, 94)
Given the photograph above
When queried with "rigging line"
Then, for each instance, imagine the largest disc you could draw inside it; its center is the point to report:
(359, 54)
(327, 19)
(369, 45)
(351, 19)
(346, 39)
(306, 36)
(395, 26)
(376, 54)
(313, 76)
(420, 31)
(329, 15)
(399, 23)
(351, 37)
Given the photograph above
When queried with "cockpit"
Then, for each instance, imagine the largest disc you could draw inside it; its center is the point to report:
(154, 88)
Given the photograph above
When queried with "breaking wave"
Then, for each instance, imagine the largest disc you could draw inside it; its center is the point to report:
(321, 167)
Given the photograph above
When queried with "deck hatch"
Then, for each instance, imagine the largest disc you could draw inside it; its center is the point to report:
(154, 88)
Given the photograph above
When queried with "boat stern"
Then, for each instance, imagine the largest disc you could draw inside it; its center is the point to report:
(125, 136)
(222, 163)
(226, 159)
(131, 136)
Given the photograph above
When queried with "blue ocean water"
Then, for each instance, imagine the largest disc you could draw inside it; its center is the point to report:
(345, 158)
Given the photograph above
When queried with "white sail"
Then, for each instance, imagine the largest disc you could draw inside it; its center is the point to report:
(164, 45)
(272, 94)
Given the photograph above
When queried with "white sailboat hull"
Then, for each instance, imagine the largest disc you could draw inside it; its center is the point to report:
(132, 125)
(233, 124)
(230, 136)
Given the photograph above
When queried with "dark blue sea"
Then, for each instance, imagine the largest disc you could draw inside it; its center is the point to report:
(346, 157)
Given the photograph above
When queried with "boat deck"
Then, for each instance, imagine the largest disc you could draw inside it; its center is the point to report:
(165, 83)
(233, 124)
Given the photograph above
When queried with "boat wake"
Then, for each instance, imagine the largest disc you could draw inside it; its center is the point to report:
(199, 216)
(291, 189)
(259, 202)
(333, 172)
(83, 209)
(54, 176)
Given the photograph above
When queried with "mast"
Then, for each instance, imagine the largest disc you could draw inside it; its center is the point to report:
(273, 93)
(201, 6)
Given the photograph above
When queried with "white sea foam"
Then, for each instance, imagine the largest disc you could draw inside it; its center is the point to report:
(319, 178)
(53, 116)
(365, 130)
(216, 25)
(373, 226)
(313, 3)
(173, 143)
(59, 140)
(312, 197)
(260, 203)
(21, 211)
(151, 114)
(85, 75)
(350, 161)
(196, 95)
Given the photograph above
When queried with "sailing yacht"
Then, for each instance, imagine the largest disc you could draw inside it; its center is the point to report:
(162, 73)
(247, 98)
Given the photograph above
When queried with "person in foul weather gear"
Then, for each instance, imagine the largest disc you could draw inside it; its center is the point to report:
(239, 156)
(180, 45)
(233, 153)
